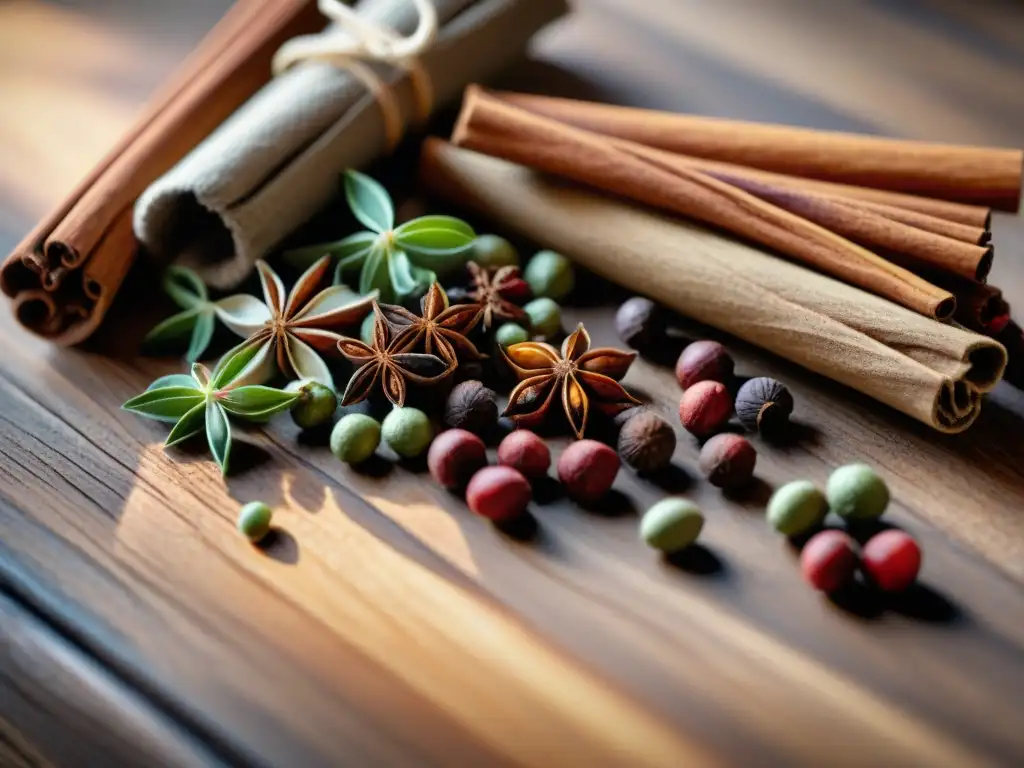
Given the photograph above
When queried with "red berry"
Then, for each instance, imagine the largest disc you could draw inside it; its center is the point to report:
(455, 456)
(498, 493)
(525, 451)
(891, 559)
(703, 361)
(587, 469)
(828, 560)
(705, 407)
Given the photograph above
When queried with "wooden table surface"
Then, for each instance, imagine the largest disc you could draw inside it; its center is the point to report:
(386, 625)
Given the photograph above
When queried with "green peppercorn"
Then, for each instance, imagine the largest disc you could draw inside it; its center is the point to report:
(407, 431)
(493, 251)
(316, 404)
(366, 329)
(509, 334)
(355, 437)
(550, 275)
(254, 521)
(857, 492)
(671, 524)
(796, 507)
(545, 316)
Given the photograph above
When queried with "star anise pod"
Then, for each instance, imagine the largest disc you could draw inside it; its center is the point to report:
(439, 330)
(579, 375)
(389, 362)
(296, 328)
(495, 292)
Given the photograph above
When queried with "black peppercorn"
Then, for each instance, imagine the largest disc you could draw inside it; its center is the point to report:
(640, 323)
(763, 404)
(647, 442)
(471, 406)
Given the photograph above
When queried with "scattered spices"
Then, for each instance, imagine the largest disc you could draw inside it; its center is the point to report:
(577, 378)
(647, 442)
(550, 275)
(545, 317)
(440, 329)
(471, 406)
(254, 521)
(497, 293)
(386, 363)
(407, 431)
(490, 251)
(587, 469)
(509, 334)
(705, 408)
(454, 457)
(728, 460)
(525, 451)
(355, 438)
(498, 493)
(829, 560)
(891, 560)
(704, 361)
(316, 403)
(796, 507)
(671, 525)
(640, 323)
(857, 492)
(764, 404)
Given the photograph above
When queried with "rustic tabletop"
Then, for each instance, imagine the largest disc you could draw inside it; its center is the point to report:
(385, 624)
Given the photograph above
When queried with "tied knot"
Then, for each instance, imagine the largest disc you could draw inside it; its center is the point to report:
(355, 43)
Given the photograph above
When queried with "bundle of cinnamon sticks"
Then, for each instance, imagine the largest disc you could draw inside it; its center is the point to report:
(905, 220)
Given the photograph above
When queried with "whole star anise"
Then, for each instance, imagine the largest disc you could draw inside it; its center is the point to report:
(579, 375)
(439, 330)
(495, 291)
(389, 362)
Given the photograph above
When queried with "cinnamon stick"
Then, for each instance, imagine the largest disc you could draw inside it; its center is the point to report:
(979, 175)
(64, 274)
(494, 127)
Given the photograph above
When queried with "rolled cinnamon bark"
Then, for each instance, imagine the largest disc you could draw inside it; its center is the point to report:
(63, 276)
(496, 128)
(980, 175)
(934, 372)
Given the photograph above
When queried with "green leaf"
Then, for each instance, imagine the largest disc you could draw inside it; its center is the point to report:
(255, 401)
(437, 222)
(424, 277)
(192, 423)
(201, 336)
(174, 380)
(369, 201)
(375, 274)
(174, 328)
(218, 434)
(400, 273)
(185, 287)
(166, 403)
(350, 251)
(436, 236)
(232, 364)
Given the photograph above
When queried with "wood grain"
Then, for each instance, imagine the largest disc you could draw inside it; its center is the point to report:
(386, 625)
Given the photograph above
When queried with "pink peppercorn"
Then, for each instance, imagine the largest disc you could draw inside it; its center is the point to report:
(498, 493)
(455, 456)
(891, 559)
(525, 451)
(587, 469)
(828, 560)
(705, 408)
(703, 361)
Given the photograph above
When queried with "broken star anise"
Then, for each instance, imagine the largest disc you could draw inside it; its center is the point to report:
(440, 329)
(495, 293)
(580, 376)
(389, 362)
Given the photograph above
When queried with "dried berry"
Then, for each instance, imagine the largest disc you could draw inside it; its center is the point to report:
(705, 408)
(316, 404)
(493, 251)
(891, 560)
(671, 525)
(550, 274)
(647, 442)
(728, 460)
(525, 451)
(545, 317)
(455, 456)
(587, 469)
(254, 521)
(796, 507)
(704, 361)
(355, 437)
(764, 404)
(829, 560)
(407, 431)
(498, 493)
(856, 492)
(640, 323)
(471, 406)
(511, 333)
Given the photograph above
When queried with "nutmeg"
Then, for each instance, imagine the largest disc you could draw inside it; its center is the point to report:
(763, 404)
(728, 460)
(471, 406)
(640, 323)
(647, 442)
(705, 408)
(704, 361)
